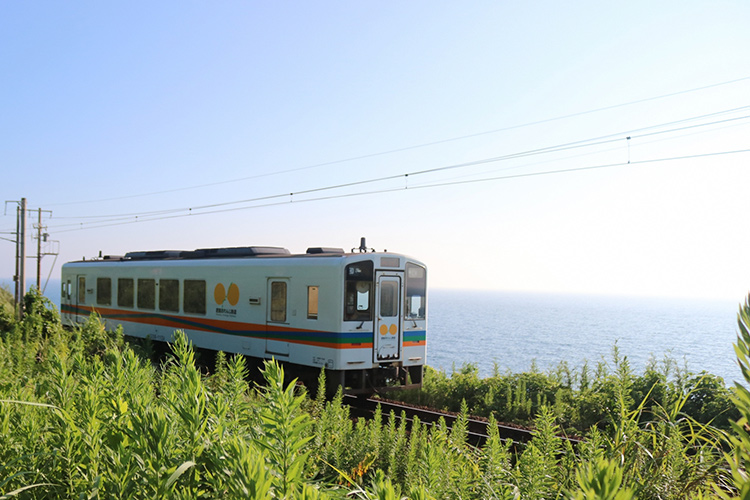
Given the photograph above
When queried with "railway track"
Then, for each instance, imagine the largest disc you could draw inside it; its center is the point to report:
(477, 429)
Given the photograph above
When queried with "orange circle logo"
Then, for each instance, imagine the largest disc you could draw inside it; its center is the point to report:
(232, 295)
(220, 294)
(383, 329)
(394, 329)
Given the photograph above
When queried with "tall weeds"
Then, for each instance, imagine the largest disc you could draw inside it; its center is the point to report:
(580, 399)
(739, 457)
(82, 415)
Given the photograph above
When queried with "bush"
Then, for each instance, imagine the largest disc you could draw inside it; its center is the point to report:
(579, 399)
(83, 416)
(7, 311)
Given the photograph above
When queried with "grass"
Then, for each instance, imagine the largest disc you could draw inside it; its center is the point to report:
(83, 415)
(580, 399)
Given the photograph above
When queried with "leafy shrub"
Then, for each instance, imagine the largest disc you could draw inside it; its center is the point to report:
(83, 415)
(579, 399)
(7, 311)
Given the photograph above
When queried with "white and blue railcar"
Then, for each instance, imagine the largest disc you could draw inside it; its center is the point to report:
(360, 315)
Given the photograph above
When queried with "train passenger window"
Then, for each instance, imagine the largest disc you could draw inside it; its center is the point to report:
(358, 291)
(104, 291)
(416, 291)
(146, 294)
(125, 292)
(312, 302)
(278, 301)
(194, 298)
(169, 295)
(82, 289)
(68, 290)
(62, 291)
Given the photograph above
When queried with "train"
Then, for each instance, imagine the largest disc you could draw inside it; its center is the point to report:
(359, 315)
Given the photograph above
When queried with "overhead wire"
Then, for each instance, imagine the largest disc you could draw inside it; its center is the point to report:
(427, 186)
(591, 167)
(609, 138)
(409, 148)
(145, 216)
(606, 139)
(601, 151)
(204, 209)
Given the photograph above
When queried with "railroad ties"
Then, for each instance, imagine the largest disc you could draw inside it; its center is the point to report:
(477, 429)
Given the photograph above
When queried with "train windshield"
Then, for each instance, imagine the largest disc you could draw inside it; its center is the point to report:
(416, 291)
(358, 294)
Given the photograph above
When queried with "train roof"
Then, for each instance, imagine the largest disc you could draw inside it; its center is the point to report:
(221, 253)
(207, 253)
(213, 253)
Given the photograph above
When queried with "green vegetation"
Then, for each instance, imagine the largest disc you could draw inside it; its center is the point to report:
(7, 310)
(579, 399)
(84, 415)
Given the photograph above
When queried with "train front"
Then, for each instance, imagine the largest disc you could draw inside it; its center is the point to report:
(385, 304)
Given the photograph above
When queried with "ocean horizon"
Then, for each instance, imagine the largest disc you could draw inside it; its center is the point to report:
(513, 331)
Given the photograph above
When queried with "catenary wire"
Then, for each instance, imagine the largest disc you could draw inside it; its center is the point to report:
(145, 215)
(425, 186)
(609, 138)
(413, 147)
(598, 152)
(196, 210)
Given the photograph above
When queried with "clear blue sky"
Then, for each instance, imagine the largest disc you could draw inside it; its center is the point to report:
(112, 108)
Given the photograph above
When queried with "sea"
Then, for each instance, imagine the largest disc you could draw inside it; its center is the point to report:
(515, 331)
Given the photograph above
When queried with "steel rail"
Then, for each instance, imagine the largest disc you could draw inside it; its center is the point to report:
(477, 431)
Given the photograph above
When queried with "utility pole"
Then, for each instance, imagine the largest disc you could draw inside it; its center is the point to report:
(51, 248)
(39, 254)
(41, 237)
(15, 274)
(21, 263)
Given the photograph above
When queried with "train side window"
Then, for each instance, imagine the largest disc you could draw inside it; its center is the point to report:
(169, 295)
(278, 301)
(125, 292)
(81, 289)
(194, 298)
(104, 291)
(358, 296)
(146, 294)
(62, 291)
(68, 290)
(416, 291)
(312, 302)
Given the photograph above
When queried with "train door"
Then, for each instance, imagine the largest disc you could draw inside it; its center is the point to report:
(277, 316)
(388, 300)
(80, 298)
